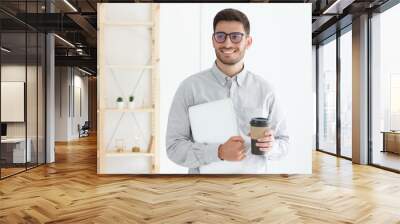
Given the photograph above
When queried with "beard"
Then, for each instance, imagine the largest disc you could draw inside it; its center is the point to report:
(231, 60)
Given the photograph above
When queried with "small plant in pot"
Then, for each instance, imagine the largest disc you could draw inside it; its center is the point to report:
(120, 103)
(130, 102)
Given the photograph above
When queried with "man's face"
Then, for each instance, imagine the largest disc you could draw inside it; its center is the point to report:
(228, 52)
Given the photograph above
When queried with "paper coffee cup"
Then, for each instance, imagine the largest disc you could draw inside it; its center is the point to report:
(258, 126)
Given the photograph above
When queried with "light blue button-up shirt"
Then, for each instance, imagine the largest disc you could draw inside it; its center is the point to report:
(252, 97)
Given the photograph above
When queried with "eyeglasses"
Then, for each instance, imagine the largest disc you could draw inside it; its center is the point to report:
(235, 37)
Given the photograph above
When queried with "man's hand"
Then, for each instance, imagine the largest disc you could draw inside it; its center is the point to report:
(232, 150)
(267, 141)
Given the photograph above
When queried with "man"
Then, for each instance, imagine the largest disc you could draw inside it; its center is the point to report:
(252, 97)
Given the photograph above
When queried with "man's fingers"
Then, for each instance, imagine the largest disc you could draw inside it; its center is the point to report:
(240, 150)
(240, 153)
(241, 157)
(239, 145)
(264, 144)
(237, 138)
(266, 149)
(266, 139)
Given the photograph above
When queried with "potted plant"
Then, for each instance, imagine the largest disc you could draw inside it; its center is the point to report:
(120, 103)
(130, 102)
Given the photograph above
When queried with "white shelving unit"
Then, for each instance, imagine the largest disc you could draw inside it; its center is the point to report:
(121, 65)
(123, 154)
(130, 66)
(127, 110)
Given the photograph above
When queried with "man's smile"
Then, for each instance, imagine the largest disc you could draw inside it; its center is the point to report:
(227, 51)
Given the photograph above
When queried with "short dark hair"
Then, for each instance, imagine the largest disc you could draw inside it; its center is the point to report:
(232, 15)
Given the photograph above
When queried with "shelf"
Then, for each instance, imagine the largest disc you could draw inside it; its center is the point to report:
(118, 154)
(149, 110)
(129, 66)
(119, 70)
(137, 24)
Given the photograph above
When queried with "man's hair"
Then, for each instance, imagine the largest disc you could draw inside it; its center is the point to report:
(232, 15)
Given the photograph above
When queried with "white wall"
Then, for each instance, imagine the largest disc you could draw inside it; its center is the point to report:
(61, 103)
(281, 53)
(80, 103)
(68, 83)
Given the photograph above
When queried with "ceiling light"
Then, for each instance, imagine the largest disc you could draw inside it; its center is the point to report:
(84, 71)
(338, 6)
(5, 50)
(64, 40)
(70, 5)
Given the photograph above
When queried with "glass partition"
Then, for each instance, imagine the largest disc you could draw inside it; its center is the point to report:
(385, 89)
(327, 97)
(346, 94)
(22, 90)
(31, 100)
(13, 103)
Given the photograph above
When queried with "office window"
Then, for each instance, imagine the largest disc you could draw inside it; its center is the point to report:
(385, 87)
(327, 97)
(346, 94)
(395, 101)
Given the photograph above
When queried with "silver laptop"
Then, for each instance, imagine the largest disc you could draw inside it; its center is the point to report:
(213, 122)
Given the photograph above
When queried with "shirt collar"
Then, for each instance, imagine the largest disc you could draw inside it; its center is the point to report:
(222, 78)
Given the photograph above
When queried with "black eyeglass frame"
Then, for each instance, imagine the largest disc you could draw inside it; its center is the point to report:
(230, 37)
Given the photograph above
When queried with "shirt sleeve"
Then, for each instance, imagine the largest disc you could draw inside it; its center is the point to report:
(277, 122)
(181, 148)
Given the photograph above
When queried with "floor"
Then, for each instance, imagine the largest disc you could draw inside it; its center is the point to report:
(10, 171)
(5, 172)
(385, 159)
(70, 191)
